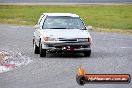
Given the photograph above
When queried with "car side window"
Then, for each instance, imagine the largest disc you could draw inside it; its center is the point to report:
(42, 22)
(41, 17)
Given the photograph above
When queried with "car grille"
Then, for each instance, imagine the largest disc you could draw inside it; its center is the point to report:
(68, 40)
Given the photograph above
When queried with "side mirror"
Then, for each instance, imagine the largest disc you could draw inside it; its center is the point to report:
(36, 26)
(89, 28)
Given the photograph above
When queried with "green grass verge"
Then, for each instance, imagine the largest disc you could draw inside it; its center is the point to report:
(100, 16)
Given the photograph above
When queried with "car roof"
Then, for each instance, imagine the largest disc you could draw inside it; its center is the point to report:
(61, 14)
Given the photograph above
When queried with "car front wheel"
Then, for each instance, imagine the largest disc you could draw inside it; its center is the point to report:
(87, 53)
(36, 48)
(42, 51)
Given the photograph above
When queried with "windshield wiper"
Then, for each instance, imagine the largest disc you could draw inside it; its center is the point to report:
(57, 28)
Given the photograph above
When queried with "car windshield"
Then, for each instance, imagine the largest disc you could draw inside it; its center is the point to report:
(63, 22)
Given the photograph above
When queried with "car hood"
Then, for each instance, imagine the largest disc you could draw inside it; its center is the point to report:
(66, 33)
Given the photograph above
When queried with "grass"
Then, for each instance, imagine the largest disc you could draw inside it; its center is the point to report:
(118, 17)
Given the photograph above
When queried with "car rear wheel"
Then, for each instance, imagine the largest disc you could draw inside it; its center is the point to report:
(87, 53)
(42, 51)
(36, 48)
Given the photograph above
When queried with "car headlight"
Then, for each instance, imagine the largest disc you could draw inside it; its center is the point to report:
(85, 40)
(49, 39)
(82, 40)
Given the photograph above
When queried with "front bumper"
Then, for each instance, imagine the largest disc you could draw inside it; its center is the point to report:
(67, 46)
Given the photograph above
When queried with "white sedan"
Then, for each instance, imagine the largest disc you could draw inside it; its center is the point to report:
(61, 32)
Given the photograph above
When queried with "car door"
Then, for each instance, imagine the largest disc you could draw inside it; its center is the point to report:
(38, 29)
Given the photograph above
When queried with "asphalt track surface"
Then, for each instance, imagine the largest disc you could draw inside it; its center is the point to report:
(111, 53)
(64, 1)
